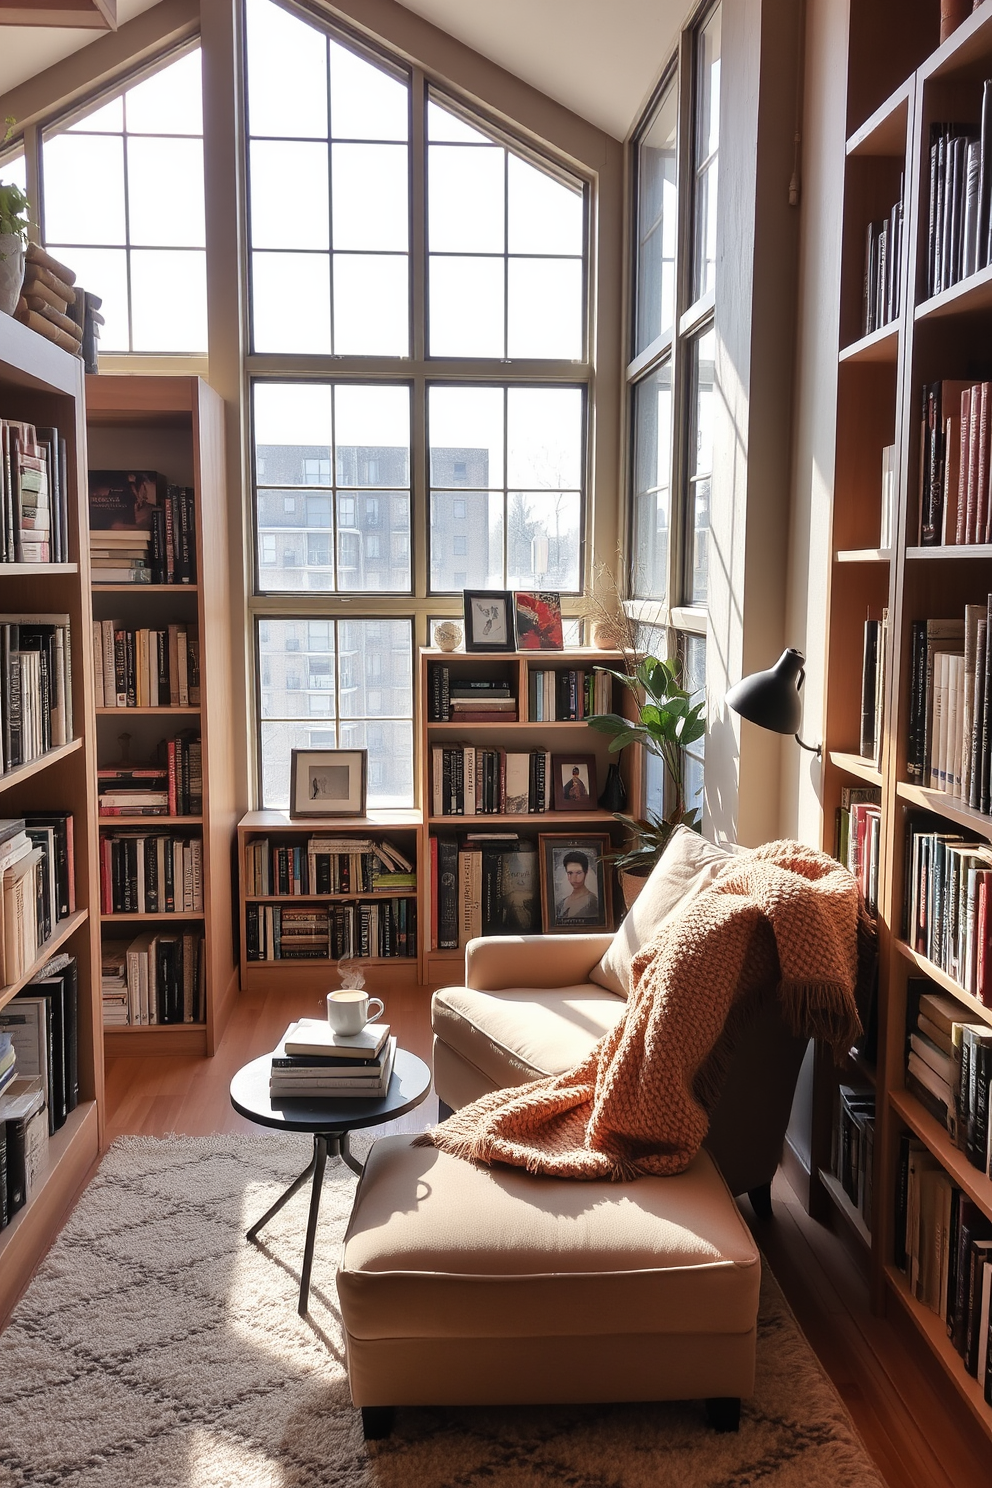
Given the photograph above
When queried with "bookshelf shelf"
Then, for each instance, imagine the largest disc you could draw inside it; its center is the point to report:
(980, 551)
(943, 804)
(976, 1009)
(146, 712)
(963, 298)
(863, 555)
(151, 822)
(880, 346)
(58, 938)
(856, 764)
(36, 570)
(153, 919)
(844, 1207)
(409, 893)
(934, 1331)
(884, 133)
(21, 773)
(975, 1184)
(547, 819)
(144, 589)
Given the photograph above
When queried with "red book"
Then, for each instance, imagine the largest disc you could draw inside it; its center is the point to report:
(106, 892)
(172, 778)
(982, 495)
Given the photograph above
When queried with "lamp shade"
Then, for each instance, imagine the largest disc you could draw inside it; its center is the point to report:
(771, 699)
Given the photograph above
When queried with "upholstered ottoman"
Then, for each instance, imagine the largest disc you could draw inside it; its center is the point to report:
(461, 1284)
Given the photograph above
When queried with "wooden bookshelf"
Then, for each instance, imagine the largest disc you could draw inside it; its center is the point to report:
(43, 385)
(175, 425)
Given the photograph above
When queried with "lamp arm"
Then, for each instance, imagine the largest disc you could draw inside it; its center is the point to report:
(816, 749)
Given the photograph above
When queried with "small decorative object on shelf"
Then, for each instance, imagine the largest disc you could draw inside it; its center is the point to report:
(447, 635)
(47, 294)
(13, 236)
(538, 621)
(488, 620)
(614, 794)
(328, 782)
(575, 883)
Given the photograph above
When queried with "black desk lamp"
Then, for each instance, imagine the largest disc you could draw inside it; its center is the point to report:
(771, 699)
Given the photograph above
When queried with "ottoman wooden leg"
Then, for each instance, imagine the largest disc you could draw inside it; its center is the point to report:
(723, 1412)
(377, 1421)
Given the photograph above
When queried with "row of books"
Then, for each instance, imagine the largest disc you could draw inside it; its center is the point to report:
(483, 885)
(142, 530)
(23, 1141)
(944, 1247)
(954, 464)
(174, 788)
(326, 865)
(948, 1068)
(958, 242)
(852, 1153)
(43, 1024)
(146, 668)
(35, 687)
(873, 667)
(858, 835)
(949, 879)
(950, 705)
(365, 929)
(883, 255)
(457, 698)
(36, 887)
(153, 873)
(468, 780)
(568, 697)
(312, 1060)
(158, 977)
(34, 508)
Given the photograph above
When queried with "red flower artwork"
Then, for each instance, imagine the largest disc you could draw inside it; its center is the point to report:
(538, 618)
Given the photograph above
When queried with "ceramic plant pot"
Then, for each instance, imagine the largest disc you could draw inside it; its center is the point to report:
(11, 271)
(631, 885)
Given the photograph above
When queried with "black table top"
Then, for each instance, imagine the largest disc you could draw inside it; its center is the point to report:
(409, 1083)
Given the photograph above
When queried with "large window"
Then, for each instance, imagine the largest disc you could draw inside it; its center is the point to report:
(419, 382)
(122, 205)
(670, 374)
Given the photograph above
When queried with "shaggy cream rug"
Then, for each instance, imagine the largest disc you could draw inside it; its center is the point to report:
(156, 1348)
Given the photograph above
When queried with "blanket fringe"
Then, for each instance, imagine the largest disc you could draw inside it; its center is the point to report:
(814, 1009)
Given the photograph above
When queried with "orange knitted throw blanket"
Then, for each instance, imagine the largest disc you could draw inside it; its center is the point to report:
(636, 1105)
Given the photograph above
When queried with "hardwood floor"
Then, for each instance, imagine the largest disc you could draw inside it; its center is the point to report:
(914, 1426)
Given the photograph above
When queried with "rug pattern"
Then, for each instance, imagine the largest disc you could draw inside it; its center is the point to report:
(156, 1348)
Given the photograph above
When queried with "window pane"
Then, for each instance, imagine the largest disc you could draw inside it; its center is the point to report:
(278, 740)
(168, 301)
(544, 216)
(276, 324)
(544, 438)
(706, 153)
(466, 541)
(374, 541)
(652, 484)
(466, 307)
(292, 426)
(74, 212)
(692, 650)
(465, 199)
(289, 175)
(107, 119)
(466, 436)
(169, 102)
(372, 431)
(542, 540)
(545, 308)
(704, 352)
(371, 304)
(366, 103)
(104, 272)
(160, 174)
(442, 125)
(375, 676)
(657, 219)
(287, 74)
(369, 197)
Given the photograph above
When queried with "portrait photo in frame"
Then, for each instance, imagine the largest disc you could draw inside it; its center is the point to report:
(575, 883)
(489, 620)
(328, 782)
(574, 777)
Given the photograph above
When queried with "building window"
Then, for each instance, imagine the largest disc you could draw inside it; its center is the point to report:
(138, 241)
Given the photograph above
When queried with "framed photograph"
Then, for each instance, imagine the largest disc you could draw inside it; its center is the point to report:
(575, 883)
(538, 621)
(574, 777)
(489, 620)
(328, 782)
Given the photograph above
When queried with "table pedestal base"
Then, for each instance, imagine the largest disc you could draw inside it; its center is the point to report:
(325, 1144)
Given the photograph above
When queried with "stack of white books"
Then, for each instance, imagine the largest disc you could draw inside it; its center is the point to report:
(312, 1061)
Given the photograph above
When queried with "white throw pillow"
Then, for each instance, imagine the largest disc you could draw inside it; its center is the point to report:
(688, 864)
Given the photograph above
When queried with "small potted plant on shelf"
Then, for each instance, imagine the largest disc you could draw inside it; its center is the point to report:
(13, 238)
(666, 722)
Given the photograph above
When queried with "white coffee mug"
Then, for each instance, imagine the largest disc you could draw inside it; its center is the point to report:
(349, 1010)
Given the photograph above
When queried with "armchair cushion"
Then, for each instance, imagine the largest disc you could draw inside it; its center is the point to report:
(688, 864)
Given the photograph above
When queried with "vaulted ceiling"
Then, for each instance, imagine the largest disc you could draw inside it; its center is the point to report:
(597, 57)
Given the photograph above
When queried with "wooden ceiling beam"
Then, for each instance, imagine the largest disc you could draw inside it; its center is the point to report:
(88, 15)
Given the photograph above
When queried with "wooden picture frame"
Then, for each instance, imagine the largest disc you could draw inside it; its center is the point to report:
(576, 902)
(489, 620)
(328, 782)
(537, 620)
(574, 779)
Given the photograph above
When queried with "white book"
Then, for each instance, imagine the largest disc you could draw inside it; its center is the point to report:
(471, 779)
(98, 662)
(952, 750)
(517, 783)
(316, 1036)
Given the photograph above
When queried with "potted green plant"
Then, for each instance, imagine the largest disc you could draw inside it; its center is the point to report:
(666, 722)
(13, 238)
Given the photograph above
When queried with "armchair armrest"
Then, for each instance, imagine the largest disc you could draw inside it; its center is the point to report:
(493, 962)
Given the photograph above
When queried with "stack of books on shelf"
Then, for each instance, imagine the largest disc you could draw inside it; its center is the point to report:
(948, 904)
(158, 977)
(312, 1062)
(483, 884)
(857, 837)
(49, 303)
(146, 668)
(43, 1022)
(943, 1245)
(460, 699)
(317, 932)
(948, 1068)
(469, 780)
(326, 865)
(151, 873)
(35, 687)
(568, 696)
(36, 887)
(954, 464)
(174, 788)
(853, 1147)
(142, 531)
(958, 222)
(34, 514)
(883, 253)
(873, 668)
